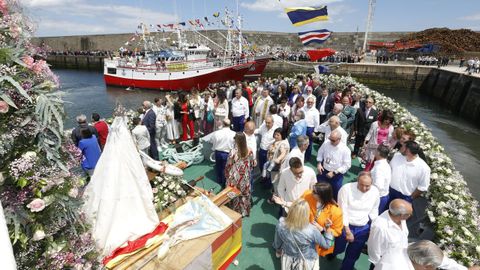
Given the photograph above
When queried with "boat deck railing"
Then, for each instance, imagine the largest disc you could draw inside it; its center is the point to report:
(172, 66)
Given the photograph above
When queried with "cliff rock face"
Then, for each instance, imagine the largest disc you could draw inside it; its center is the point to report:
(450, 41)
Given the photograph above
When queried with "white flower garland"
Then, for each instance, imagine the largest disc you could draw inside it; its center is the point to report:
(453, 211)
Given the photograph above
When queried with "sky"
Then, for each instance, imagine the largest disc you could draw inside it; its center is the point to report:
(85, 17)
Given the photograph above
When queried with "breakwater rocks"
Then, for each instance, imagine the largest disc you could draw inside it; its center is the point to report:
(459, 92)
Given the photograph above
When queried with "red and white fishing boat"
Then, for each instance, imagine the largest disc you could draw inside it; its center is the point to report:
(259, 65)
(174, 70)
(186, 66)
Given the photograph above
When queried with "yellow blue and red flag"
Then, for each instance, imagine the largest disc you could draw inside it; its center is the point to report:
(303, 15)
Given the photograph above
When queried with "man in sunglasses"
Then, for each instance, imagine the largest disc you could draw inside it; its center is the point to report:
(334, 161)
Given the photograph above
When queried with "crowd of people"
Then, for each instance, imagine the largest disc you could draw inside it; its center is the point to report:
(339, 57)
(430, 60)
(83, 53)
(266, 131)
(472, 65)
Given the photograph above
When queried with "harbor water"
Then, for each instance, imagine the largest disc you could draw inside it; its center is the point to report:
(85, 92)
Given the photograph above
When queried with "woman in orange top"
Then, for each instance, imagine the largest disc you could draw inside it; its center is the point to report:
(324, 210)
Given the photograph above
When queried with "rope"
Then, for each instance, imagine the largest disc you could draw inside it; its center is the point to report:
(298, 65)
(330, 65)
(191, 154)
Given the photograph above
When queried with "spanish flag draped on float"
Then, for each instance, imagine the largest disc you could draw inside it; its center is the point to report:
(304, 15)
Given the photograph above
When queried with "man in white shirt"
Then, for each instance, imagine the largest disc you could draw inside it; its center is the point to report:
(284, 109)
(388, 240)
(222, 143)
(294, 181)
(333, 123)
(410, 174)
(161, 121)
(426, 255)
(261, 107)
(298, 151)
(382, 175)
(309, 94)
(240, 111)
(312, 117)
(252, 146)
(140, 135)
(334, 160)
(277, 119)
(359, 202)
(266, 132)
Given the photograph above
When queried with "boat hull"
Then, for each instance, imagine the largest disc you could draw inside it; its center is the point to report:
(178, 80)
(258, 67)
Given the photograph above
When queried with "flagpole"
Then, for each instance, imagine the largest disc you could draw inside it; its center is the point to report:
(371, 10)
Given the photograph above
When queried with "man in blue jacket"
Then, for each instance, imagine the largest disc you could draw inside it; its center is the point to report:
(149, 121)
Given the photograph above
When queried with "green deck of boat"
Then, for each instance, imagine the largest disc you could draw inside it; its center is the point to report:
(259, 228)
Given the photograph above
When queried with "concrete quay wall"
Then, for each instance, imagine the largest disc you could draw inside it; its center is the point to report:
(406, 76)
(459, 92)
(348, 41)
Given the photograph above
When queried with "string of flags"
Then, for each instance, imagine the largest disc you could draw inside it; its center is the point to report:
(198, 23)
(304, 15)
(195, 23)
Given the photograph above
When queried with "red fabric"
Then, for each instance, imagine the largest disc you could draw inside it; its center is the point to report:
(102, 129)
(320, 53)
(136, 244)
(186, 123)
(249, 93)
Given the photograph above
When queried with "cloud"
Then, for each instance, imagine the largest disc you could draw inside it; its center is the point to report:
(91, 18)
(474, 17)
(48, 3)
(273, 5)
(70, 28)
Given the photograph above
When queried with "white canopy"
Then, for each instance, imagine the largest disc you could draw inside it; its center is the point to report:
(119, 198)
(6, 251)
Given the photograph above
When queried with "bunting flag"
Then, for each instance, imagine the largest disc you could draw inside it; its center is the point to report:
(159, 26)
(206, 19)
(315, 36)
(304, 15)
(192, 22)
(216, 14)
(198, 23)
(182, 23)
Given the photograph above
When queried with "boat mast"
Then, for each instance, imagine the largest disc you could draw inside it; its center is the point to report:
(239, 31)
(144, 38)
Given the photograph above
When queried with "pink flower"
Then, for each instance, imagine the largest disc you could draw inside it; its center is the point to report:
(36, 205)
(3, 7)
(39, 66)
(29, 61)
(3, 106)
(154, 190)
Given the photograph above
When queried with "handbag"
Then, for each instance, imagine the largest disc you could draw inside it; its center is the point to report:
(210, 116)
(304, 265)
